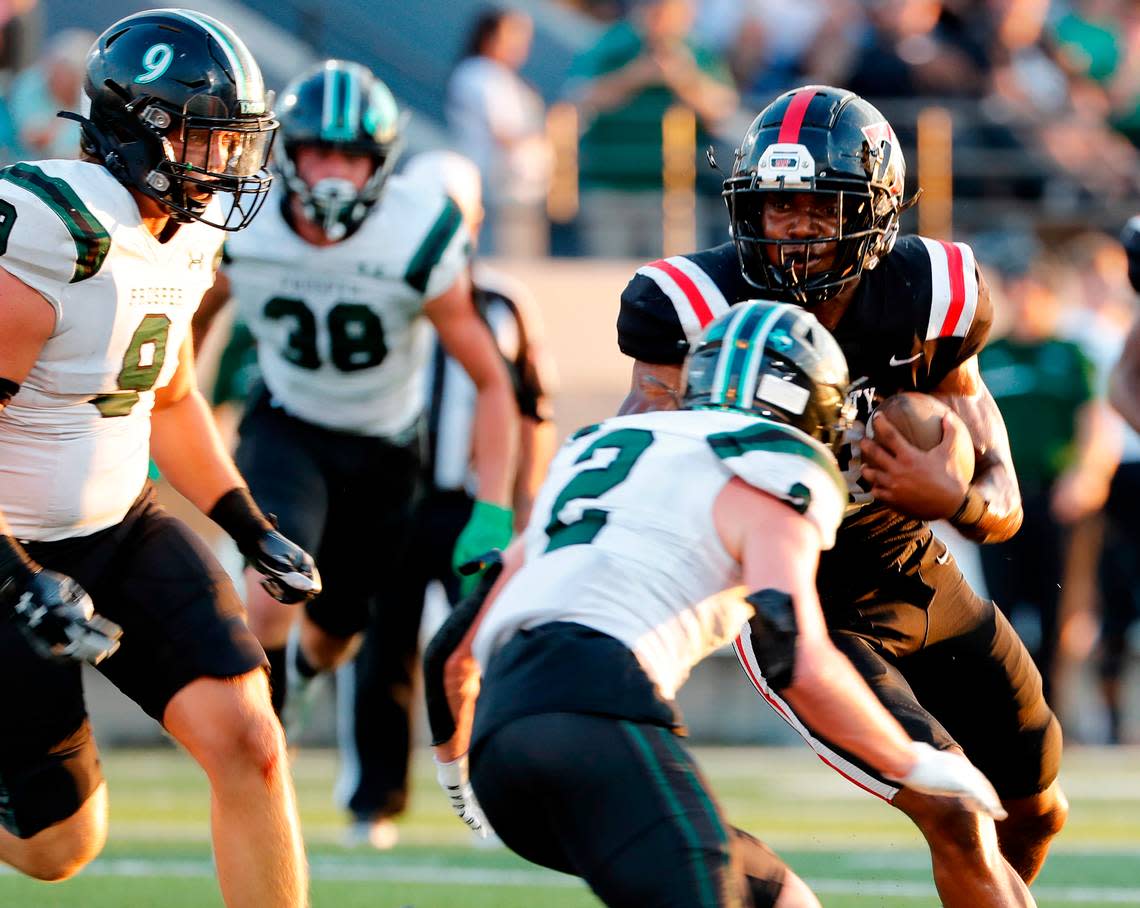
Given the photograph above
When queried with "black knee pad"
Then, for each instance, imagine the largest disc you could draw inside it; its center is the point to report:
(51, 789)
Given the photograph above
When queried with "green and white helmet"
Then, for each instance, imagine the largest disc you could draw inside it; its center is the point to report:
(342, 105)
(773, 360)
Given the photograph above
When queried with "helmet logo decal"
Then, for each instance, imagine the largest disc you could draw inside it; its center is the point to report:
(883, 147)
(784, 163)
(156, 61)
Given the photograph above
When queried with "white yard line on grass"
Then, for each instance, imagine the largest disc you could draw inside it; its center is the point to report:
(347, 871)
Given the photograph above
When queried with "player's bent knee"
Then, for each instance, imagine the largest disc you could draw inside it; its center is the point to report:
(61, 850)
(324, 651)
(228, 725)
(254, 746)
(1039, 817)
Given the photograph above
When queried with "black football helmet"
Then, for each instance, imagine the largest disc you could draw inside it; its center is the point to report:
(339, 105)
(773, 360)
(818, 140)
(180, 113)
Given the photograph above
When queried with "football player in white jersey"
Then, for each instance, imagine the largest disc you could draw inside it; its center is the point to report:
(337, 281)
(102, 263)
(623, 580)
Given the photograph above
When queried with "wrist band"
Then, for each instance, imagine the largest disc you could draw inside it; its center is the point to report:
(238, 514)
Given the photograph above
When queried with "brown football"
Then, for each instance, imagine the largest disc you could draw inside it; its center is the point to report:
(918, 417)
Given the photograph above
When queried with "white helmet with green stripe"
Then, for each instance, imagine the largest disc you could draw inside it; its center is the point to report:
(338, 105)
(773, 360)
(179, 112)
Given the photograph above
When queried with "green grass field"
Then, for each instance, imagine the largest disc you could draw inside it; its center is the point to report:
(852, 849)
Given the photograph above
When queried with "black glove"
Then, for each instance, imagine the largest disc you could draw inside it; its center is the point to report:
(52, 611)
(290, 575)
(1130, 239)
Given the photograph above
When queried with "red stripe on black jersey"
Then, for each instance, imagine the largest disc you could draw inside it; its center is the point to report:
(953, 289)
(692, 294)
(794, 116)
(957, 288)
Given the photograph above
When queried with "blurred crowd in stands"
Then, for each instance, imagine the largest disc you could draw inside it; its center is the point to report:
(1044, 94)
(1044, 97)
(1070, 579)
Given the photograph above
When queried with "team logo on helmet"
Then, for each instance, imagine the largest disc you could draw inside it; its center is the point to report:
(883, 146)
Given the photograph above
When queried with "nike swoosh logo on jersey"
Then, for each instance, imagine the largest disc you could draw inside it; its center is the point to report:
(895, 361)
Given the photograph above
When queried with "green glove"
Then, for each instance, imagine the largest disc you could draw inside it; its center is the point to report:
(489, 527)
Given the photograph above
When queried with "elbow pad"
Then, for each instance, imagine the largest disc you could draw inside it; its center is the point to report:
(444, 643)
(773, 634)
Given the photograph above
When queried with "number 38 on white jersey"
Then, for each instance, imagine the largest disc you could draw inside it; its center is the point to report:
(75, 441)
(340, 338)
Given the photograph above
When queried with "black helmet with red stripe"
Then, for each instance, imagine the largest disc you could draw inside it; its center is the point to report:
(833, 145)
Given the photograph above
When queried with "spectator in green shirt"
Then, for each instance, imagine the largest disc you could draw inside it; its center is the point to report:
(623, 85)
(1062, 450)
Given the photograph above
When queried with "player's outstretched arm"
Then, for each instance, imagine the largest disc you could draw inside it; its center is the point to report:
(187, 448)
(466, 337)
(991, 509)
(779, 553)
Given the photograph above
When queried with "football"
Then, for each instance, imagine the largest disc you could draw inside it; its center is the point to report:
(918, 417)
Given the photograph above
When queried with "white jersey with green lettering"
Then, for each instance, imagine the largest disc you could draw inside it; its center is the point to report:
(622, 537)
(340, 338)
(75, 441)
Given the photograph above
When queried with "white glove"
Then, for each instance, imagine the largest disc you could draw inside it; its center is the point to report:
(941, 772)
(453, 780)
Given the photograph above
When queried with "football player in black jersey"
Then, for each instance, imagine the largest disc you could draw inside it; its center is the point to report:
(814, 200)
